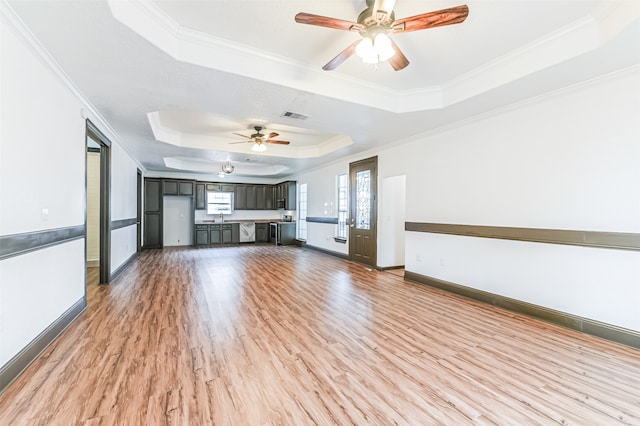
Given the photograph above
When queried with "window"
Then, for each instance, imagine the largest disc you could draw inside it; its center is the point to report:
(219, 202)
(343, 206)
(302, 211)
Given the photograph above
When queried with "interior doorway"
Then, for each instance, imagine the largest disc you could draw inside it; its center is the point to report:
(140, 183)
(363, 216)
(98, 210)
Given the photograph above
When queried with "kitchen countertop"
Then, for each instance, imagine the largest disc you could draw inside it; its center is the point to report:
(211, 222)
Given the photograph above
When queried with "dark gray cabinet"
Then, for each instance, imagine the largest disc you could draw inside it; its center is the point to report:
(152, 230)
(265, 197)
(201, 196)
(215, 234)
(175, 187)
(202, 235)
(152, 195)
(251, 198)
(283, 233)
(246, 197)
(235, 233)
(287, 191)
(152, 213)
(226, 233)
(262, 232)
(269, 197)
(185, 188)
(170, 187)
(240, 197)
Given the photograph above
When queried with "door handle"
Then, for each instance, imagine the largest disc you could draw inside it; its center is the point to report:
(352, 226)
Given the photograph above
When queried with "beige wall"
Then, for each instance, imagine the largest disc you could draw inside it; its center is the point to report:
(93, 208)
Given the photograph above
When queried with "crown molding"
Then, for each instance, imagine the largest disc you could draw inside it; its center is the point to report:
(13, 22)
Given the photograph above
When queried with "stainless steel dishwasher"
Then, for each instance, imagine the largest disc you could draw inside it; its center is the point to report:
(247, 232)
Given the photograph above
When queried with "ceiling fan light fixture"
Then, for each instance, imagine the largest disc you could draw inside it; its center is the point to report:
(383, 48)
(364, 48)
(258, 147)
(377, 50)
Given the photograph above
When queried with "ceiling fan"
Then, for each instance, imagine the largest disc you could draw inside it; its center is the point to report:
(259, 140)
(375, 23)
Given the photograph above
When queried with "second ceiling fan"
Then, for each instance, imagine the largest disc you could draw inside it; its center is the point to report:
(374, 24)
(260, 140)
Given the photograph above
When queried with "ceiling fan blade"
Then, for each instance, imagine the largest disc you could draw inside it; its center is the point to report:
(238, 134)
(272, 135)
(398, 61)
(439, 18)
(277, 142)
(324, 21)
(233, 143)
(342, 56)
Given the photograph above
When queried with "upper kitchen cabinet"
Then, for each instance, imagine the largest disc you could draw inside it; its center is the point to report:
(174, 187)
(265, 197)
(251, 198)
(286, 195)
(201, 196)
(240, 202)
(152, 195)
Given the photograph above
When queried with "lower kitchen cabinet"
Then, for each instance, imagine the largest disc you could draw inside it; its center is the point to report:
(262, 232)
(153, 230)
(226, 233)
(235, 233)
(218, 233)
(202, 235)
(215, 234)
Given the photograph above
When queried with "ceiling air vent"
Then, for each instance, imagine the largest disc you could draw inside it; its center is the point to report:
(294, 115)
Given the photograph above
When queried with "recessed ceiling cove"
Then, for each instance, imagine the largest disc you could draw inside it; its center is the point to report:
(194, 129)
(499, 43)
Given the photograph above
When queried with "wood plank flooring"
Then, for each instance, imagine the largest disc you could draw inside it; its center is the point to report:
(264, 335)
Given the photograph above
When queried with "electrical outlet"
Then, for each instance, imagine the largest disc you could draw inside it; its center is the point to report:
(441, 261)
(418, 258)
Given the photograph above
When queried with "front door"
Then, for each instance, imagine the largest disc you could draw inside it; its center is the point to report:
(363, 176)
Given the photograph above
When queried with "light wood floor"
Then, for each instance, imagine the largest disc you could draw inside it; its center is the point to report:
(264, 335)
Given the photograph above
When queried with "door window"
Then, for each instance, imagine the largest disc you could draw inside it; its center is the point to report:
(363, 199)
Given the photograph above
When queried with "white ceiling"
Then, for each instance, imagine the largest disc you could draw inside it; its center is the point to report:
(207, 69)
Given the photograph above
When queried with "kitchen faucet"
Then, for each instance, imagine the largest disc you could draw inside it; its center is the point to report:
(221, 217)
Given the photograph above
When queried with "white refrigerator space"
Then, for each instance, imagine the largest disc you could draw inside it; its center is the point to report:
(177, 227)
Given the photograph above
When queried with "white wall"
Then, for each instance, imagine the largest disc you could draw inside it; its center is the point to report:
(124, 181)
(42, 169)
(322, 188)
(391, 233)
(567, 160)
